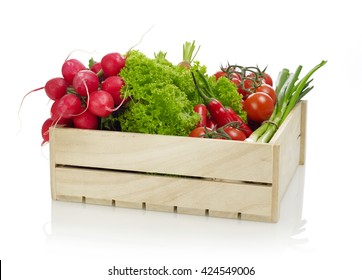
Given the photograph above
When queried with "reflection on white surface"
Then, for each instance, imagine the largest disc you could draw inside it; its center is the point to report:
(112, 228)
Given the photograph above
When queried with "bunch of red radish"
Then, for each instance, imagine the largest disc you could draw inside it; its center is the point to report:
(82, 96)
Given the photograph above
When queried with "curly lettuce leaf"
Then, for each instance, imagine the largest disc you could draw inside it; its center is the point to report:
(159, 94)
(163, 96)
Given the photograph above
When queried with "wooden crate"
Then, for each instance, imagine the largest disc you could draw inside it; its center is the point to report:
(187, 175)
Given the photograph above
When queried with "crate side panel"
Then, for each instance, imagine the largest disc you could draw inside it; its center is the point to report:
(303, 131)
(52, 166)
(186, 156)
(165, 192)
(289, 140)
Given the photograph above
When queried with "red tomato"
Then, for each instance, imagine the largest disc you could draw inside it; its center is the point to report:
(235, 75)
(235, 134)
(248, 89)
(219, 74)
(263, 79)
(268, 90)
(248, 86)
(267, 79)
(237, 82)
(199, 132)
(259, 106)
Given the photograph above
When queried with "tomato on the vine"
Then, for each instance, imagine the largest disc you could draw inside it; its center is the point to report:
(237, 82)
(267, 79)
(199, 132)
(269, 90)
(249, 85)
(219, 74)
(223, 72)
(259, 106)
(245, 86)
(262, 78)
(234, 133)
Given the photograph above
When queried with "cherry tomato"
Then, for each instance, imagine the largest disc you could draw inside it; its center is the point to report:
(234, 133)
(248, 88)
(264, 78)
(199, 132)
(219, 74)
(222, 73)
(267, 79)
(253, 82)
(259, 106)
(237, 82)
(269, 90)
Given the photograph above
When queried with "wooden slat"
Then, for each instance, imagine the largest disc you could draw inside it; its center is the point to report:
(276, 183)
(165, 193)
(303, 132)
(289, 141)
(52, 164)
(209, 158)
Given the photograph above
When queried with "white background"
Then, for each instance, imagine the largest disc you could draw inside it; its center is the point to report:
(319, 233)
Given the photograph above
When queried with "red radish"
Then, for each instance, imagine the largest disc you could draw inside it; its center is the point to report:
(112, 64)
(96, 67)
(101, 103)
(45, 128)
(55, 88)
(54, 114)
(54, 110)
(70, 68)
(85, 82)
(68, 106)
(113, 85)
(86, 120)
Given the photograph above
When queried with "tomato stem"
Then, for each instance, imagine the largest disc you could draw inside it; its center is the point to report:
(249, 73)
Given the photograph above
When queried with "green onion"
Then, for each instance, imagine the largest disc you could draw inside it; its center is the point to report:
(282, 78)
